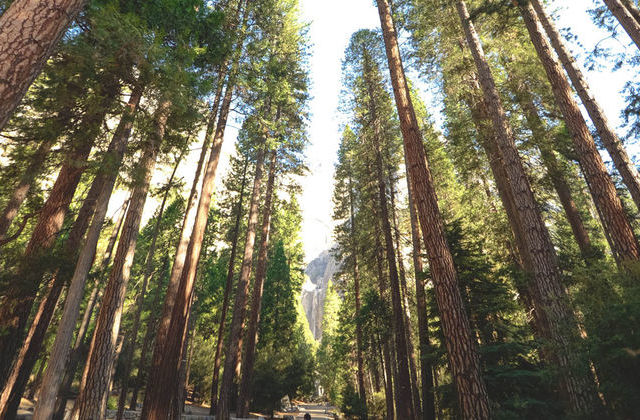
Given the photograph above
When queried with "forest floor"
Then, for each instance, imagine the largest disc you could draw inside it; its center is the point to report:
(317, 411)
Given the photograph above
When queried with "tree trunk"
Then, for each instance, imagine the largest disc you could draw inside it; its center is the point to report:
(28, 356)
(555, 320)
(610, 139)
(146, 345)
(148, 271)
(106, 179)
(29, 32)
(227, 293)
(386, 351)
(356, 289)
(626, 19)
(81, 345)
(463, 356)
(545, 144)
(239, 307)
(17, 300)
(168, 348)
(96, 379)
(404, 401)
(415, 392)
(244, 397)
(426, 370)
(23, 187)
(624, 243)
(633, 9)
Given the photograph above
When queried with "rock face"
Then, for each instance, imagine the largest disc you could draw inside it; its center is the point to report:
(319, 272)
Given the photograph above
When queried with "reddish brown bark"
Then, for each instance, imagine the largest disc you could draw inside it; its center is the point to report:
(610, 139)
(461, 348)
(130, 345)
(426, 369)
(242, 289)
(614, 220)
(92, 401)
(227, 293)
(29, 32)
(625, 16)
(554, 318)
(404, 402)
(244, 396)
(103, 185)
(168, 347)
(17, 300)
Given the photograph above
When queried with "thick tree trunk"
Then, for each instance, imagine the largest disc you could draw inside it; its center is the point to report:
(148, 271)
(96, 379)
(244, 396)
(626, 19)
(614, 220)
(426, 370)
(168, 348)
(463, 356)
(227, 293)
(555, 320)
(106, 180)
(610, 139)
(23, 187)
(242, 289)
(633, 9)
(17, 300)
(29, 32)
(545, 144)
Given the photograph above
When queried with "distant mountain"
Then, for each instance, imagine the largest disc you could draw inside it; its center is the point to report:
(319, 272)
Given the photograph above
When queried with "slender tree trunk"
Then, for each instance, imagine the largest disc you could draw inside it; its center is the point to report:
(217, 131)
(415, 391)
(17, 300)
(244, 397)
(80, 345)
(29, 32)
(426, 370)
(404, 401)
(555, 320)
(168, 348)
(614, 220)
(626, 19)
(96, 379)
(146, 345)
(106, 180)
(227, 293)
(356, 287)
(386, 351)
(239, 307)
(463, 356)
(610, 139)
(23, 187)
(32, 346)
(148, 271)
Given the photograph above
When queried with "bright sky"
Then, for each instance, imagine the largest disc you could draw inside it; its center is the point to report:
(330, 32)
